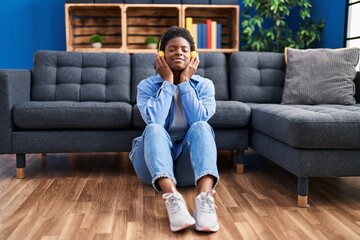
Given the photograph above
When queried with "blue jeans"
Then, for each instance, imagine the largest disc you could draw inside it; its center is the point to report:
(156, 155)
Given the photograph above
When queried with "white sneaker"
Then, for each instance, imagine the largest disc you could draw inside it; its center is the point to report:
(205, 212)
(179, 215)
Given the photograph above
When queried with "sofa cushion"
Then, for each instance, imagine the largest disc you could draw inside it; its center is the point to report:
(142, 66)
(320, 76)
(72, 115)
(138, 121)
(212, 66)
(257, 77)
(309, 126)
(228, 115)
(81, 77)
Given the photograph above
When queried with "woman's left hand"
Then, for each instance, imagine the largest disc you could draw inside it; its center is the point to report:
(190, 69)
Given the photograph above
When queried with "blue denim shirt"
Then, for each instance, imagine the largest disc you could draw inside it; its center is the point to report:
(154, 99)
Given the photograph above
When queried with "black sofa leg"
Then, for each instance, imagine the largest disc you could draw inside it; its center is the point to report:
(20, 166)
(303, 192)
(239, 161)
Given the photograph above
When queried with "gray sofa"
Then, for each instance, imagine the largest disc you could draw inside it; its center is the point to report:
(306, 140)
(85, 102)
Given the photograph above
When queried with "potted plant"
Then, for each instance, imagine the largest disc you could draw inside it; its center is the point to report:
(96, 41)
(264, 25)
(151, 42)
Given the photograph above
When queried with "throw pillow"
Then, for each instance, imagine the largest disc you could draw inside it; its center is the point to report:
(320, 76)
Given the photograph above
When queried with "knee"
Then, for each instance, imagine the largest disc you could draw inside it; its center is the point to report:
(154, 128)
(201, 127)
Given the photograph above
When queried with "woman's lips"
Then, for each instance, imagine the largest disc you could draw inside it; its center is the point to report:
(178, 59)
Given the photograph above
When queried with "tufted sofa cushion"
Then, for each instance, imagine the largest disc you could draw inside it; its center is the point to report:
(142, 66)
(212, 66)
(307, 126)
(257, 77)
(77, 76)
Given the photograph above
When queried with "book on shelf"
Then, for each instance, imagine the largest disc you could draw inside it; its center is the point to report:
(201, 35)
(195, 34)
(213, 34)
(218, 35)
(208, 34)
(188, 24)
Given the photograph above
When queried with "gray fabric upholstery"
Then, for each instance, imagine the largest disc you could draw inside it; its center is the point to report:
(77, 76)
(72, 115)
(257, 77)
(307, 126)
(14, 88)
(142, 66)
(138, 121)
(212, 66)
(69, 141)
(320, 76)
(230, 114)
(231, 139)
(307, 162)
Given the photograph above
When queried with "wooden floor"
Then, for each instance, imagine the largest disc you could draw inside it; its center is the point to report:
(98, 196)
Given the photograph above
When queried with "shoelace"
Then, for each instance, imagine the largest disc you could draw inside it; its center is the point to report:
(172, 200)
(207, 203)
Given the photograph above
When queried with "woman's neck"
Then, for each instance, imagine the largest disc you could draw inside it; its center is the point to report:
(176, 77)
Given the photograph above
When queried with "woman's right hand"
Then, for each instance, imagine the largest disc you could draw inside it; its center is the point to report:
(163, 69)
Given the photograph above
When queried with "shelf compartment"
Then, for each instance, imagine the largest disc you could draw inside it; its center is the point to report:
(148, 20)
(84, 20)
(226, 15)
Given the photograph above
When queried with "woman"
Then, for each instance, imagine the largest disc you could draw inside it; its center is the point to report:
(177, 147)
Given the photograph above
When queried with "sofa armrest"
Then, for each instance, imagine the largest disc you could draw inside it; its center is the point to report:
(14, 88)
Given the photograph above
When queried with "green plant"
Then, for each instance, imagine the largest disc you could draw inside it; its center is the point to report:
(151, 39)
(259, 14)
(96, 38)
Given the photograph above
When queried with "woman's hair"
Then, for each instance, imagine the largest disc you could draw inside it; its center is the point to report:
(174, 32)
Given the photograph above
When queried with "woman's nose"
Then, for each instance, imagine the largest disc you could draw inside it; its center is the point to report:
(179, 52)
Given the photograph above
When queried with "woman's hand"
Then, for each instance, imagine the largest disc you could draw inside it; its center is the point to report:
(163, 69)
(190, 69)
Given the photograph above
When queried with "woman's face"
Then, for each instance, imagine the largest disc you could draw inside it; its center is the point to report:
(177, 53)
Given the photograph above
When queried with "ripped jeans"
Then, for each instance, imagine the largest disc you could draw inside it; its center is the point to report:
(155, 155)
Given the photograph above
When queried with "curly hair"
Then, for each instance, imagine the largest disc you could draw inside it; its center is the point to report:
(174, 32)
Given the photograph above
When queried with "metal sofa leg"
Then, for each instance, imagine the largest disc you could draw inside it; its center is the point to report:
(239, 161)
(303, 192)
(20, 166)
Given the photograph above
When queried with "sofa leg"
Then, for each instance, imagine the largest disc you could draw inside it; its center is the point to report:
(303, 192)
(303, 201)
(20, 166)
(239, 161)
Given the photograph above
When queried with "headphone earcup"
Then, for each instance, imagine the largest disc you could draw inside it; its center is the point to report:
(161, 54)
(192, 54)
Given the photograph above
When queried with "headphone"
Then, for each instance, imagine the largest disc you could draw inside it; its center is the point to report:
(162, 53)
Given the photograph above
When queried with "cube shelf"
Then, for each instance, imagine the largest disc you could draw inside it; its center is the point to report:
(84, 20)
(126, 26)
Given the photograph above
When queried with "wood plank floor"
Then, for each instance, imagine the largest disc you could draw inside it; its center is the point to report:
(98, 196)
